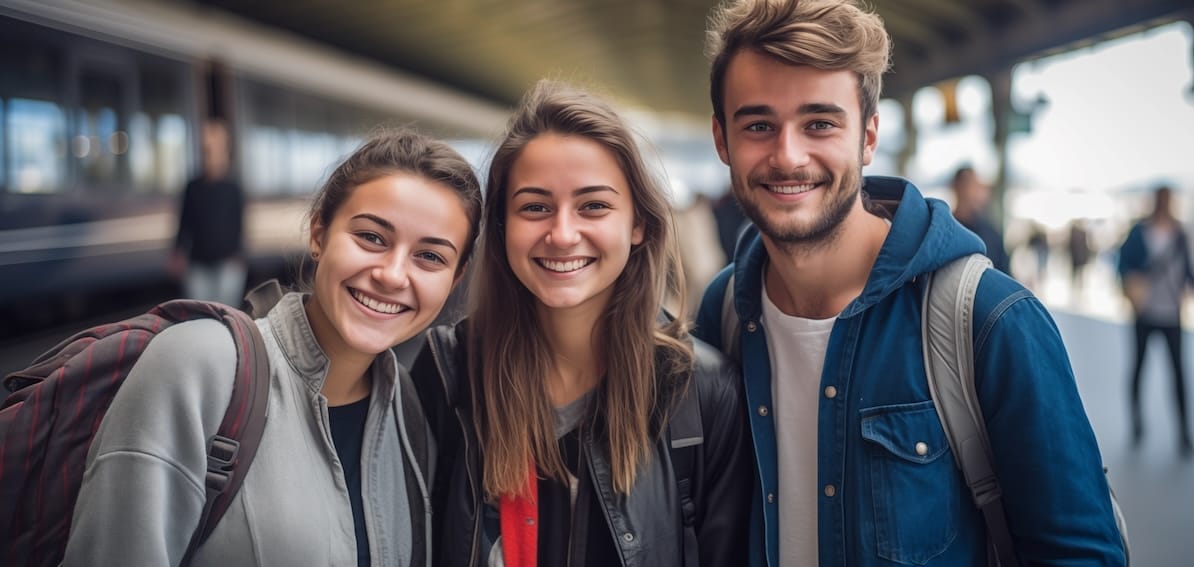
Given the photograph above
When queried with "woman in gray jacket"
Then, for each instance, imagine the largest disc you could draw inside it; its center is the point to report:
(341, 475)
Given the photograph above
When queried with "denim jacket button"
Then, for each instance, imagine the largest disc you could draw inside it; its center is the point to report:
(763, 411)
(830, 490)
(629, 537)
(922, 448)
(751, 327)
(830, 392)
(771, 498)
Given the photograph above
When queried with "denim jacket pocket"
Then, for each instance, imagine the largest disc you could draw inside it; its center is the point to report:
(914, 485)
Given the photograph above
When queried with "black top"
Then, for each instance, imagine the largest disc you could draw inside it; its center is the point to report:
(211, 223)
(348, 430)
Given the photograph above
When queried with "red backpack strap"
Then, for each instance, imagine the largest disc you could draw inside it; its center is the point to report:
(231, 450)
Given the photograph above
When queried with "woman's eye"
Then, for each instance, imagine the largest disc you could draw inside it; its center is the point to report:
(595, 206)
(534, 208)
(370, 237)
(432, 257)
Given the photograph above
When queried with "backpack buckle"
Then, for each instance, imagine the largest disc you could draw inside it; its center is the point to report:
(986, 490)
(221, 456)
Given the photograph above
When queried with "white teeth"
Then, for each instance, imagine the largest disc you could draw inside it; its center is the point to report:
(791, 189)
(387, 308)
(569, 266)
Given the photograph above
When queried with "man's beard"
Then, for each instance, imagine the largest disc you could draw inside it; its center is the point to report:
(839, 198)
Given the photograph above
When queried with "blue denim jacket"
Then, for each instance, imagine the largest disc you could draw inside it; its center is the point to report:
(880, 502)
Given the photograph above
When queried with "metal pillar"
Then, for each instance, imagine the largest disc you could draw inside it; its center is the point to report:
(1001, 112)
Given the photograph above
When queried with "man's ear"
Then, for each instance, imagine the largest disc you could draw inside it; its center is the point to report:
(870, 139)
(719, 141)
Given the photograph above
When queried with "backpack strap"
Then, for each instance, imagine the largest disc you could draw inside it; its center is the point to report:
(730, 339)
(686, 436)
(947, 317)
(231, 450)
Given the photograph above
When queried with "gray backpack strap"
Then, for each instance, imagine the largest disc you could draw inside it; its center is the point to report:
(729, 323)
(947, 317)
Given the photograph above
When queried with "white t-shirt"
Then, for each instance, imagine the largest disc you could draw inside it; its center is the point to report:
(797, 348)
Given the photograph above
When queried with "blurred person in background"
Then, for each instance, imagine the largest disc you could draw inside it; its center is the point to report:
(1080, 253)
(208, 255)
(1155, 270)
(971, 199)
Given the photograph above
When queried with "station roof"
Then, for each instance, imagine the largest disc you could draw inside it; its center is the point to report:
(650, 52)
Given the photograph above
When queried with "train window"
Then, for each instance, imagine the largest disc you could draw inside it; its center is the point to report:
(173, 142)
(100, 143)
(158, 136)
(3, 154)
(36, 135)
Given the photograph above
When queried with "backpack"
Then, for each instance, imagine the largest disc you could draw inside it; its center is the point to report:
(947, 312)
(54, 407)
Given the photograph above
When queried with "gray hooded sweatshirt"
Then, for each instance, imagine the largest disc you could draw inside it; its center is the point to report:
(143, 490)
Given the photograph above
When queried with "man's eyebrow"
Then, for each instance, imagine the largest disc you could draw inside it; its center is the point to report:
(820, 108)
(753, 110)
(809, 108)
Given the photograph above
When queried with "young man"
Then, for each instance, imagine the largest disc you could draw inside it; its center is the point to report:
(854, 465)
(1156, 271)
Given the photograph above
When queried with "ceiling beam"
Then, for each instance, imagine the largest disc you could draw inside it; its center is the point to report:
(1068, 24)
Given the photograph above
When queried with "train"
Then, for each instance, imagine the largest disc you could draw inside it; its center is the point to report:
(100, 103)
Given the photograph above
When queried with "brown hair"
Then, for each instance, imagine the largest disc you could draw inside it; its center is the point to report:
(826, 34)
(393, 151)
(515, 418)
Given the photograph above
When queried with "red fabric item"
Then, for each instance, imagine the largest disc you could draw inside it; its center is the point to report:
(519, 518)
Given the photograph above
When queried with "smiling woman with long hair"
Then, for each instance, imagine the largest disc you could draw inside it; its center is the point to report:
(552, 403)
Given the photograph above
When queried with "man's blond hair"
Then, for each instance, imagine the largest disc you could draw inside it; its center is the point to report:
(825, 34)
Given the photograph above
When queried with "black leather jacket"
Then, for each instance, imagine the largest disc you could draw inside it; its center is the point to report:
(646, 525)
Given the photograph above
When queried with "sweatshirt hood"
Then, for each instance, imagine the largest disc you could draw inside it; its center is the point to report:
(924, 236)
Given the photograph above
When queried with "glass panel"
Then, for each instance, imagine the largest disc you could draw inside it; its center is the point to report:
(172, 144)
(100, 143)
(142, 153)
(159, 145)
(36, 146)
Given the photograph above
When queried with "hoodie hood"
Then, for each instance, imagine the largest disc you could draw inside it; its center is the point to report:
(924, 236)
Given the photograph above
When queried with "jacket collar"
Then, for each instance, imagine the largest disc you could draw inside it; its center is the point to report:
(290, 326)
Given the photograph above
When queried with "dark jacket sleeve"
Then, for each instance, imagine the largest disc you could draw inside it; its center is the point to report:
(1133, 253)
(186, 219)
(728, 475)
(431, 387)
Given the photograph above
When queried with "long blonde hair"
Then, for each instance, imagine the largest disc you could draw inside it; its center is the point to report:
(514, 415)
